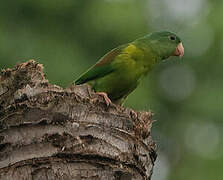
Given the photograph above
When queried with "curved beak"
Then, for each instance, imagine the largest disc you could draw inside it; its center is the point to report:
(179, 50)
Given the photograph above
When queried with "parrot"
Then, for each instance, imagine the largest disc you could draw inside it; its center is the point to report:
(119, 72)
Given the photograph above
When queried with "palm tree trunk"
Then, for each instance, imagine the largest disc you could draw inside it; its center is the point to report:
(47, 132)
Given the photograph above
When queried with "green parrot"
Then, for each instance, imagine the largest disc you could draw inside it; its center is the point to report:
(120, 71)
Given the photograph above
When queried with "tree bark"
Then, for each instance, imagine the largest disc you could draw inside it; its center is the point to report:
(50, 133)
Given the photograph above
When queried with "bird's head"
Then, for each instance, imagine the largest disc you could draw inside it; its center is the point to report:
(165, 44)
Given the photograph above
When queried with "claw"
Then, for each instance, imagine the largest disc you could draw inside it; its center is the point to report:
(133, 114)
(106, 98)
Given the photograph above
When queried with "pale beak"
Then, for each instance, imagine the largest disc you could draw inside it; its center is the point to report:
(179, 50)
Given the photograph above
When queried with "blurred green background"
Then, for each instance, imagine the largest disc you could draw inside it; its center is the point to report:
(185, 94)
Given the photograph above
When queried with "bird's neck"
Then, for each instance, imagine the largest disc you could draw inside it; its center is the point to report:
(143, 56)
(151, 49)
(151, 56)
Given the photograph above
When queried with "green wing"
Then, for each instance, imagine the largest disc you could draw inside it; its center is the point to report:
(101, 68)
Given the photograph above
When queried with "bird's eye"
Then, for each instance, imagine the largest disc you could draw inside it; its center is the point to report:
(172, 38)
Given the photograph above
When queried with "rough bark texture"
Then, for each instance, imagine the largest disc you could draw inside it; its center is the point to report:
(47, 132)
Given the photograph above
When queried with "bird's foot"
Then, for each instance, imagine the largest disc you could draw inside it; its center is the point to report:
(106, 98)
(133, 114)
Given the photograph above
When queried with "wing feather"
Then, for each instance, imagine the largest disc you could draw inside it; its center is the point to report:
(101, 68)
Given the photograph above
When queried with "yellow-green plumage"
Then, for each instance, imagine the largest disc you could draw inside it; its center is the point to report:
(119, 72)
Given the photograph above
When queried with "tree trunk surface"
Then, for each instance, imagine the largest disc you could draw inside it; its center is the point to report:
(50, 133)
